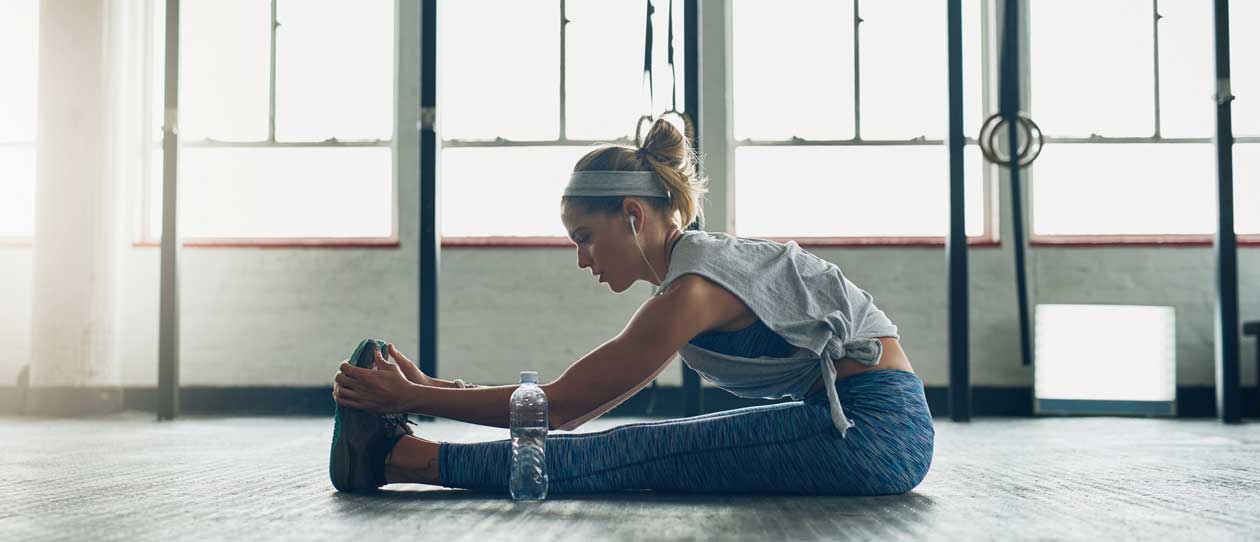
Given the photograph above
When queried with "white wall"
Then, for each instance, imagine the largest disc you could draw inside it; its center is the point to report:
(288, 316)
(15, 311)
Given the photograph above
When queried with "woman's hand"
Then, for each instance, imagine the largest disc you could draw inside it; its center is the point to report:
(409, 368)
(383, 390)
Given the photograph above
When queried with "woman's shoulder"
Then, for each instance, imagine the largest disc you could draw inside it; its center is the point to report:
(698, 289)
(699, 240)
(703, 249)
(722, 256)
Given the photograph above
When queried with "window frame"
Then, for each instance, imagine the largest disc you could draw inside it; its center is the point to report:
(1103, 240)
(405, 33)
(30, 144)
(1124, 240)
(143, 238)
(990, 236)
(17, 240)
(557, 241)
(725, 148)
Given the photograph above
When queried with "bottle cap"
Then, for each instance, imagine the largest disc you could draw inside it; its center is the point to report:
(529, 377)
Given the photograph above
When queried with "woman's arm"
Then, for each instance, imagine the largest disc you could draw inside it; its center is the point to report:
(488, 405)
(607, 375)
(600, 410)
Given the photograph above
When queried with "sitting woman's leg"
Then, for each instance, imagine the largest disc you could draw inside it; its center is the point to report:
(413, 460)
(783, 448)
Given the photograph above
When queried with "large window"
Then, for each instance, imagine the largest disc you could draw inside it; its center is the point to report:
(1125, 95)
(840, 117)
(287, 120)
(522, 97)
(19, 41)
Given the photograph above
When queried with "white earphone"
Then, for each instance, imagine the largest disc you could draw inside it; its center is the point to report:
(645, 258)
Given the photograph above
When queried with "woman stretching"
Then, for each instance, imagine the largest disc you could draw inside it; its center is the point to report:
(755, 317)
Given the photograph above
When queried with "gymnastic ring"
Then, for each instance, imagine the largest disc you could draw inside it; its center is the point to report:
(1035, 141)
(638, 130)
(1028, 152)
(988, 132)
(984, 138)
(689, 127)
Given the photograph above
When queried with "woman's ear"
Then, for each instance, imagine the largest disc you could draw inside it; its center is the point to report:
(634, 213)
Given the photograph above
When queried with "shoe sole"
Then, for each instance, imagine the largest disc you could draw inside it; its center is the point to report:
(340, 465)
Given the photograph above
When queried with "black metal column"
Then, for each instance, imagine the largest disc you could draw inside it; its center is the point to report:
(694, 398)
(430, 235)
(956, 243)
(1225, 245)
(168, 311)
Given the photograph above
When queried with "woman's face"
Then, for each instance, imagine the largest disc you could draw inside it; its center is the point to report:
(605, 245)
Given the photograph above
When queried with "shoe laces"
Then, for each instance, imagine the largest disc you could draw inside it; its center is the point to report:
(394, 422)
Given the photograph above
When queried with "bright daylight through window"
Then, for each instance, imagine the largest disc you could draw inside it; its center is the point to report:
(1132, 152)
(504, 159)
(19, 41)
(315, 162)
(855, 118)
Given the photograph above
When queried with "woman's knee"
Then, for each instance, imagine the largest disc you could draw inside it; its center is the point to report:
(916, 469)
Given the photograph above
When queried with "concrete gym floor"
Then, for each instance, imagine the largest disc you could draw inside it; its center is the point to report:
(127, 477)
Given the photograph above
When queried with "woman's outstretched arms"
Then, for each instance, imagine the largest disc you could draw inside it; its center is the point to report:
(617, 370)
(609, 374)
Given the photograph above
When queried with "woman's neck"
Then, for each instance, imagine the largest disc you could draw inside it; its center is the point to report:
(671, 239)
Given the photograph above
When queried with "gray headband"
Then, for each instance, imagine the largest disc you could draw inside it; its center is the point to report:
(615, 183)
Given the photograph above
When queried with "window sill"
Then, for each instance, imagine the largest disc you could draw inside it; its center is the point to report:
(1103, 241)
(804, 242)
(883, 242)
(1047, 241)
(26, 242)
(287, 243)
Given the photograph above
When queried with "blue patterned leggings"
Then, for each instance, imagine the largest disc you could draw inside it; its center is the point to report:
(789, 447)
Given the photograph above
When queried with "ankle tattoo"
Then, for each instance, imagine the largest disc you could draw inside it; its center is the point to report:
(428, 474)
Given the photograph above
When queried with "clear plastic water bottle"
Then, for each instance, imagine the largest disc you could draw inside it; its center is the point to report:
(528, 480)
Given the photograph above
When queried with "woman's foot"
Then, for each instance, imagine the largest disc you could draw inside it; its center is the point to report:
(362, 440)
(414, 461)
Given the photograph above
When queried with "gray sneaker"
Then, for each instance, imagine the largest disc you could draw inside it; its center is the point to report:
(362, 440)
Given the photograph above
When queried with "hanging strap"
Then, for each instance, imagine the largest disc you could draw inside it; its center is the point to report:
(689, 127)
(647, 60)
(673, 71)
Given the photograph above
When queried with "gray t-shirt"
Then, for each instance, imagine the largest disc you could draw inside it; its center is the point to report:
(801, 297)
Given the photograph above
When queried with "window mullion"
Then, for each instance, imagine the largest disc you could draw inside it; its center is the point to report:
(1155, 25)
(564, 23)
(329, 143)
(857, 72)
(988, 182)
(271, 108)
(508, 143)
(1096, 139)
